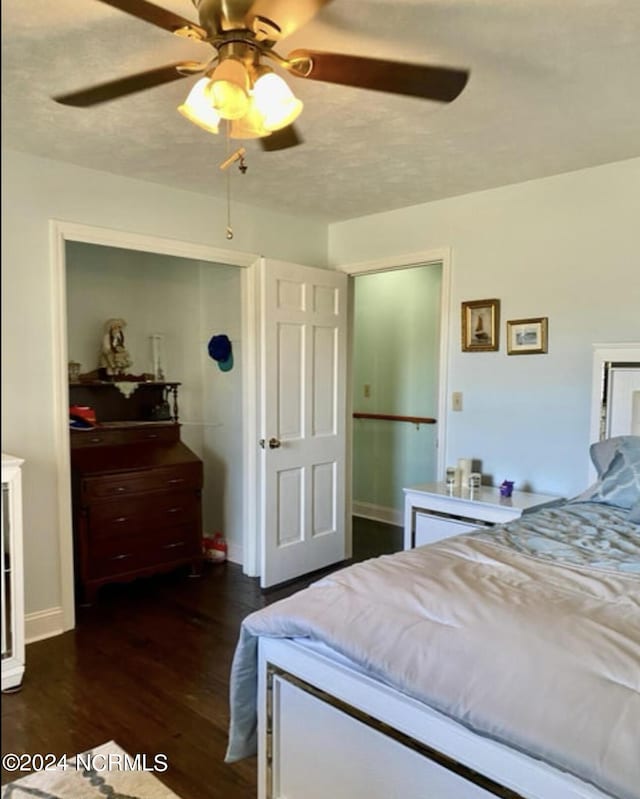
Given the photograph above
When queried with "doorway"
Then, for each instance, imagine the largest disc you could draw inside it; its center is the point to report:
(399, 355)
(62, 233)
(396, 323)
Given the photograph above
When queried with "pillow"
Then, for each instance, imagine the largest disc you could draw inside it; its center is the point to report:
(603, 452)
(620, 483)
(634, 513)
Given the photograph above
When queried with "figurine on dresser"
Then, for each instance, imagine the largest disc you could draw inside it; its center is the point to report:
(114, 358)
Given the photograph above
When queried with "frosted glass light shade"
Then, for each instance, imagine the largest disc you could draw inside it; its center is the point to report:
(197, 108)
(229, 89)
(275, 101)
(251, 126)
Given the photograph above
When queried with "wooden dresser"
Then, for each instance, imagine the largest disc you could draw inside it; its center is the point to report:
(136, 502)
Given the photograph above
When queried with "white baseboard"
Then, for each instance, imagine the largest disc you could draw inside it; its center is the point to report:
(378, 513)
(43, 624)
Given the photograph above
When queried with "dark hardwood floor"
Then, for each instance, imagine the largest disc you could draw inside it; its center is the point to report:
(148, 666)
(372, 538)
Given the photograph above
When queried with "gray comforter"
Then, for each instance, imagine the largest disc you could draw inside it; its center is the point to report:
(541, 655)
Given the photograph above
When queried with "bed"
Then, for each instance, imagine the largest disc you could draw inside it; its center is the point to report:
(503, 662)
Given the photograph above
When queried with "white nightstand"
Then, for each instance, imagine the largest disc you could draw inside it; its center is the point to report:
(432, 511)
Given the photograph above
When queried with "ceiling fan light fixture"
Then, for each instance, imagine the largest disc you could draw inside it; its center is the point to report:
(229, 88)
(197, 107)
(275, 101)
(250, 126)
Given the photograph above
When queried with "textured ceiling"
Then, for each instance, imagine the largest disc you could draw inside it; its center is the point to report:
(553, 88)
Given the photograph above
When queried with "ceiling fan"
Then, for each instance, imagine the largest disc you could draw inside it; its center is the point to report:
(241, 88)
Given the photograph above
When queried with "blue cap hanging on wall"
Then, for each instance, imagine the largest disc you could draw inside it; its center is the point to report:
(220, 350)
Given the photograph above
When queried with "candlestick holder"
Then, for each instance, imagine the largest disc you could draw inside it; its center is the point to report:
(157, 368)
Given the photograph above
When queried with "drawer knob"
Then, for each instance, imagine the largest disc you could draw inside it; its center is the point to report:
(174, 545)
(121, 557)
(120, 519)
(119, 489)
(176, 480)
(174, 510)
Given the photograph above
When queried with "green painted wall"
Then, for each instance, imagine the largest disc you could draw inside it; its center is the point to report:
(396, 344)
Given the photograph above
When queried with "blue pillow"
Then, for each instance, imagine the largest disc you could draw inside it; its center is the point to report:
(603, 452)
(634, 513)
(620, 483)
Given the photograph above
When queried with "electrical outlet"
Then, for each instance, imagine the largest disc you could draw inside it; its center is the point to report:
(367, 390)
(456, 401)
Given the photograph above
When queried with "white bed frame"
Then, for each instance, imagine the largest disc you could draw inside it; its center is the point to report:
(328, 731)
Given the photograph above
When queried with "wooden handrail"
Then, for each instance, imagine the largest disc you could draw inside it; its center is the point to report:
(389, 417)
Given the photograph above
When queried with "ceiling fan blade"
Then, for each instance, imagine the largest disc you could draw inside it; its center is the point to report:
(121, 87)
(148, 12)
(443, 84)
(281, 139)
(288, 15)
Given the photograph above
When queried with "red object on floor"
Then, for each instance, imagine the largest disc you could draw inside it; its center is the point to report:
(214, 548)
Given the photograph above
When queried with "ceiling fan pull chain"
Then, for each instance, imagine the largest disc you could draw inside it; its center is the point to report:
(229, 228)
(237, 156)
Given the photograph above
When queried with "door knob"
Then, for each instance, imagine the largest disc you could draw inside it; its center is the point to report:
(274, 443)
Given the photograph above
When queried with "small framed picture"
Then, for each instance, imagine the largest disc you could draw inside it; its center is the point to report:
(527, 336)
(480, 325)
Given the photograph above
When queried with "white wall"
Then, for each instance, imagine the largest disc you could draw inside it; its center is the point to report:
(220, 303)
(565, 247)
(36, 190)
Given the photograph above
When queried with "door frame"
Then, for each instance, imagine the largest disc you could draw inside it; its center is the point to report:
(59, 233)
(442, 256)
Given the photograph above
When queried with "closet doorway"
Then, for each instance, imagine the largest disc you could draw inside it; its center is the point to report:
(64, 234)
(183, 302)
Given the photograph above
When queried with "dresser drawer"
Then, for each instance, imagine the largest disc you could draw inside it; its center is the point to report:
(116, 435)
(177, 543)
(162, 434)
(139, 514)
(98, 437)
(185, 476)
(117, 555)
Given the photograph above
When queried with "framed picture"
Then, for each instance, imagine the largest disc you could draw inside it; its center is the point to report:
(480, 325)
(527, 336)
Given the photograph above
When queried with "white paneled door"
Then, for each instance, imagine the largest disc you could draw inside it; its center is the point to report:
(303, 419)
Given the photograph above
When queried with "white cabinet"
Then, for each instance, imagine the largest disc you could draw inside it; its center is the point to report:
(429, 528)
(434, 511)
(12, 575)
